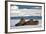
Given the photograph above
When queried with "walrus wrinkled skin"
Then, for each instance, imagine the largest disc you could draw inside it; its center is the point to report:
(23, 22)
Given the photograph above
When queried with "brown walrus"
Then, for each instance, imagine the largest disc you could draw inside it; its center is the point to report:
(23, 22)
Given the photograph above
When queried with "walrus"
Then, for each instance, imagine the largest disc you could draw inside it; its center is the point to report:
(23, 22)
(31, 22)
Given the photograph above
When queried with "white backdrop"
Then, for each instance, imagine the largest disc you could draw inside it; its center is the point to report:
(2, 17)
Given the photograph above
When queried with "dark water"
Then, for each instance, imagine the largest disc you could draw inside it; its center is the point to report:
(27, 17)
(28, 7)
